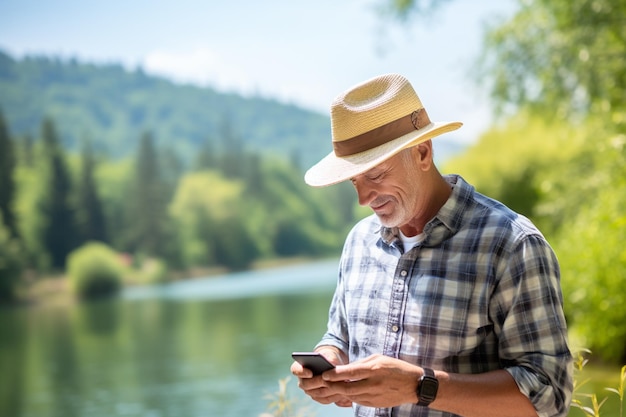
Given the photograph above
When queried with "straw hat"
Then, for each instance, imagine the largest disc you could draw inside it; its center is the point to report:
(370, 123)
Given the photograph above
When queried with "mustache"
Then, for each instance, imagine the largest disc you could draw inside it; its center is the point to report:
(379, 201)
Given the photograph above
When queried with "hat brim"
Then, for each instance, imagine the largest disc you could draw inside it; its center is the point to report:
(333, 169)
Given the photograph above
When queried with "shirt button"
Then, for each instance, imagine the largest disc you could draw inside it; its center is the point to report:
(395, 329)
(403, 273)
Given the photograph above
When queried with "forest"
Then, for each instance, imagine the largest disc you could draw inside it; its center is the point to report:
(228, 208)
(556, 154)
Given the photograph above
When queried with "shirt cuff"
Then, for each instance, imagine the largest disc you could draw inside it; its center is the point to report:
(539, 391)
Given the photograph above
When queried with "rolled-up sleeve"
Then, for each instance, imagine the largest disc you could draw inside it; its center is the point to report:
(533, 345)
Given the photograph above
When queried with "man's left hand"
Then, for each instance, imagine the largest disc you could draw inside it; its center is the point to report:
(377, 381)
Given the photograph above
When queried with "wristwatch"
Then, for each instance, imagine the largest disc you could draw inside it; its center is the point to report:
(427, 388)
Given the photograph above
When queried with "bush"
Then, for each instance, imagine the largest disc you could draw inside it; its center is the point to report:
(95, 271)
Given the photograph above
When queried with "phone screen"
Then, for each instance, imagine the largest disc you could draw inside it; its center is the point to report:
(313, 361)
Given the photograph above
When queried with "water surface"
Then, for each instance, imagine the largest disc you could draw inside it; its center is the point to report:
(202, 347)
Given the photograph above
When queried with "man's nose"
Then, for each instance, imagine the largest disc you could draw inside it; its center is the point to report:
(365, 193)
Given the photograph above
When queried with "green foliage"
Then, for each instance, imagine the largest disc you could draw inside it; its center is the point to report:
(10, 264)
(146, 270)
(282, 404)
(562, 57)
(91, 220)
(113, 179)
(592, 251)
(148, 197)
(94, 271)
(303, 218)
(214, 217)
(511, 161)
(589, 403)
(7, 180)
(29, 193)
(203, 200)
(402, 9)
(224, 221)
(59, 233)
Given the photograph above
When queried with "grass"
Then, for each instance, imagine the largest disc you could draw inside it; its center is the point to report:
(598, 390)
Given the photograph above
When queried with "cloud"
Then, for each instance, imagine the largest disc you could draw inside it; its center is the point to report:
(204, 67)
(199, 66)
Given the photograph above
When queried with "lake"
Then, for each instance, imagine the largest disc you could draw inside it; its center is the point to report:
(202, 347)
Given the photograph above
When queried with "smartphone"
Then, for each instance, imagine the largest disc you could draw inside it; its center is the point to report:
(313, 361)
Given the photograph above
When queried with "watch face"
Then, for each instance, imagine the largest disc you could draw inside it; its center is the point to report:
(428, 388)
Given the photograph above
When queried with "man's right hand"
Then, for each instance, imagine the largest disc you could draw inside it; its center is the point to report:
(315, 386)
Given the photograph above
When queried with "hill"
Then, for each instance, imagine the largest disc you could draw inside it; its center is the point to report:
(112, 107)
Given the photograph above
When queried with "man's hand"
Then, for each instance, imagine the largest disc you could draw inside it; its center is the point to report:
(377, 381)
(315, 386)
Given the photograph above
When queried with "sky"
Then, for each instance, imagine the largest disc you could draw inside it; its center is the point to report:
(302, 53)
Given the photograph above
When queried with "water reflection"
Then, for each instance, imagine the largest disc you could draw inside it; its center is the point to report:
(175, 350)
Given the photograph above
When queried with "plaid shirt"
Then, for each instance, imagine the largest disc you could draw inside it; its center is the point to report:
(480, 292)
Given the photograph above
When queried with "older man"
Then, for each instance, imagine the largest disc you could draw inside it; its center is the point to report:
(447, 302)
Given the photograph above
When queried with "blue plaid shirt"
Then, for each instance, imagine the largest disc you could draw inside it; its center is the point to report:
(480, 292)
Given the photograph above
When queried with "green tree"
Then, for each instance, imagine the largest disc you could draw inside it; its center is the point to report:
(232, 152)
(404, 10)
(10, 264)
(202, 201)
(564, 61)
(30, 192)
(91, 219)
(562, 57)
(298, 219)
(59, 235)
(114, 180)
(511, 162)
(234, 246)
(253, 175)
(590, 195)
(148, 202)
(7, 180)
(206, 157)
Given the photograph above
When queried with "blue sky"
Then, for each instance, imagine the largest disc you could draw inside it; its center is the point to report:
(303, 53)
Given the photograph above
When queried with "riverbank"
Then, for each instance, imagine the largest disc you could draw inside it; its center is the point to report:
(55, 289)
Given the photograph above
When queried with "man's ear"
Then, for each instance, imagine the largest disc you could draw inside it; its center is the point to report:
(423, 154)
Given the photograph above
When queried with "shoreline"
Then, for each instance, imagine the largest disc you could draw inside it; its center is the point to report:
(54, 289)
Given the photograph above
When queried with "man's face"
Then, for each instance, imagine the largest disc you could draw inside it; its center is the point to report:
(392, 190)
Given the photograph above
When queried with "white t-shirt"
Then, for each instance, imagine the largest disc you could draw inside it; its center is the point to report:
(410, 242)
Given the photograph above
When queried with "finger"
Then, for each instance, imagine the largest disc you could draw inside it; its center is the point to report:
(332, 356)
(344, 403)
(350, 372)
(325, 397)
(312, 384)
(353, 389)
(300, 371)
